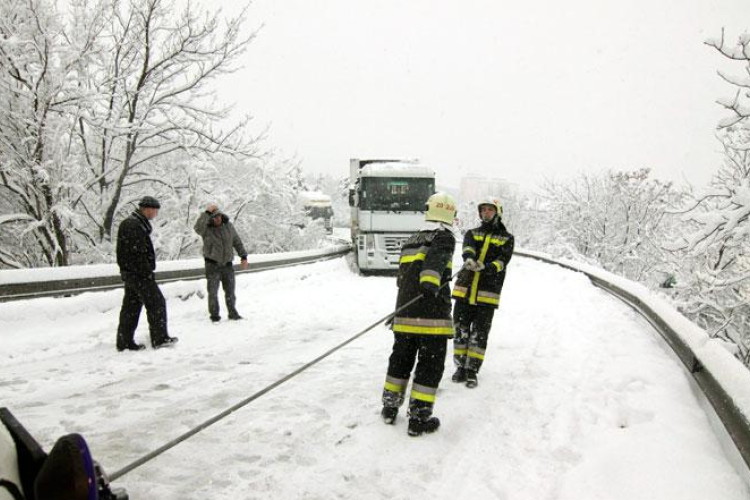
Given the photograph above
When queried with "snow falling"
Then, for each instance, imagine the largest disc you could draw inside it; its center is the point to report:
(579, 397)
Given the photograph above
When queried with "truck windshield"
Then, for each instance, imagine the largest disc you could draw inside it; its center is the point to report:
(318, 212)
(395, 194)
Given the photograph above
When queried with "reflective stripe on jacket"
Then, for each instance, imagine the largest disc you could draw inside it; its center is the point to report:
(425, 265)
(492, 245)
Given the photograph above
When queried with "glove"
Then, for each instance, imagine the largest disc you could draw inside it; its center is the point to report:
(473, 265)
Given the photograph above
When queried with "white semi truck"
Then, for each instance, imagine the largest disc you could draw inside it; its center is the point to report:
(317, 205)
(387, 199)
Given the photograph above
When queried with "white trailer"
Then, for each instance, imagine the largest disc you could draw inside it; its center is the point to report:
(387, 199)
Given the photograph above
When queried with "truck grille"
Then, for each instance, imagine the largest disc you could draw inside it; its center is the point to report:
(393, 244)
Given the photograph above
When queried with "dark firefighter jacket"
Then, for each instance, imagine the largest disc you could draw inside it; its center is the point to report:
(425, 265)
(491, 244)
(135, 252)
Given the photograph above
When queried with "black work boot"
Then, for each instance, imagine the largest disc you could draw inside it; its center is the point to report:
(417, 425)
(459, 376)
(389, 414)
(131, 346)
(165, 342)
(471, 379)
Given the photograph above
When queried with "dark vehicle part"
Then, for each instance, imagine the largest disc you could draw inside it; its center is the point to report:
(68, 472)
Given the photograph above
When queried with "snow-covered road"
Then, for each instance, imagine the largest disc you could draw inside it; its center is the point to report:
(578, 398)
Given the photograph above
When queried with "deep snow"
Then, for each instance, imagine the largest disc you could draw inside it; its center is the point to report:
(579, 398)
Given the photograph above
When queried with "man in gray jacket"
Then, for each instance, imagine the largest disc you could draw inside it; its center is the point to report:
(219, 237)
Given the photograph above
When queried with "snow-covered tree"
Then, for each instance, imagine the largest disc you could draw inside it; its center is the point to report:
(738, 104)
(152, 83)
(41, 62)
(104, 101)
(713, 284)
(711, 249)
(614, 220)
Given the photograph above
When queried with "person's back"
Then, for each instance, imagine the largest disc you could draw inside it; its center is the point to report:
(135, 251)
(422, 270)
(422, 322)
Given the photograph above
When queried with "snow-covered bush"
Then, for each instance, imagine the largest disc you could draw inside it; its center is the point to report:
(614, 219)
(713, 279)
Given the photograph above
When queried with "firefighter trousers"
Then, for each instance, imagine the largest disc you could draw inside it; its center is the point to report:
(428, 352)
(473, 324)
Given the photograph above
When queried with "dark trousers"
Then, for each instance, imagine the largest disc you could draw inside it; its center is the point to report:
(220, 273)
(473, 324)
(428, 351)
(139, 292)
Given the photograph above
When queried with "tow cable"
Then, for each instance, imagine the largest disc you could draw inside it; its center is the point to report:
(195, 430)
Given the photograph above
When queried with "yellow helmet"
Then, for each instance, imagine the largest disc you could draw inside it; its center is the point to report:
(441, 207)
(492, 202)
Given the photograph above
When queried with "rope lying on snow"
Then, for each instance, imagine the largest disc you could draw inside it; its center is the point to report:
(195, 430)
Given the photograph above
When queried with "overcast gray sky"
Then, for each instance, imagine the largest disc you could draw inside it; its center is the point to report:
(517, 90)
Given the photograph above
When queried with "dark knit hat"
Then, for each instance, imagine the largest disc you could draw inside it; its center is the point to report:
(149, 202)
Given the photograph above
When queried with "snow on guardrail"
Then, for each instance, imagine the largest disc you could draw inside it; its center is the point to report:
(18, 284)
(723, 378)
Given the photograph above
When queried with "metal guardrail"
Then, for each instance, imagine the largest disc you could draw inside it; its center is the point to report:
(74, 286)
(735, 420)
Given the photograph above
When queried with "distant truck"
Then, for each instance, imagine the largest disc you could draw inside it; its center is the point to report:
(317, 205)
(387, 199)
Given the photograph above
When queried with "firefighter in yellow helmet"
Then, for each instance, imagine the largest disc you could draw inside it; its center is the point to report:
(486, 251)
(421, 330)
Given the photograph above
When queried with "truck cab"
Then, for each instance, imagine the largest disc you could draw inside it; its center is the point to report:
(318, 206)
(387, 199)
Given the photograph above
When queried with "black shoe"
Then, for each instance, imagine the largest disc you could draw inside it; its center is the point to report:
(131, 347)
(459, 376)
(417, 426)
(167, 342)
(235, 317)
(389, 414)
(471, 379)
(216, 319)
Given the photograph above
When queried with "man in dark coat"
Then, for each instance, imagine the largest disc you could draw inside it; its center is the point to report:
(421, 330)
(137, 261)
(486, 252)
(219, 238)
